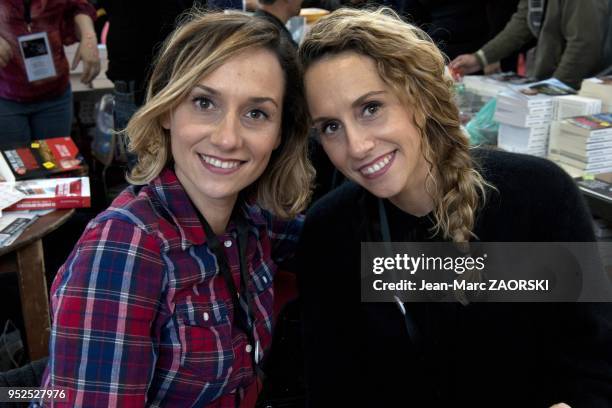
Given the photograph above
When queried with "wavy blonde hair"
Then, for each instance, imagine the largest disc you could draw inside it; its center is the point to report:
(201, 44)
(411, 64)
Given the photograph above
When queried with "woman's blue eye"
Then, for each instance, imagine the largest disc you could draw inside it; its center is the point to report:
(330, 128)
(371, 108)
(257, 114)
(203, 103)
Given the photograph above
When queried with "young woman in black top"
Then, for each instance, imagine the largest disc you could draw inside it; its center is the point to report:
(383, 108)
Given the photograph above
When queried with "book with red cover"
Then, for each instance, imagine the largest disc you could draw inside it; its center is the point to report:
(39, 159)
(40, 194)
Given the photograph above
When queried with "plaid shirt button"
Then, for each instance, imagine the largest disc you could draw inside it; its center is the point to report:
(227, 243)
(248, 348)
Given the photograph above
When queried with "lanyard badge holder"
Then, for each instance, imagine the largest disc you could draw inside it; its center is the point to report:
(35, 50)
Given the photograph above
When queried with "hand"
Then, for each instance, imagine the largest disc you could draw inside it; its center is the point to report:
(250, 5)
(6, 52)
(465, 64)
(88, 53)
(493, 69)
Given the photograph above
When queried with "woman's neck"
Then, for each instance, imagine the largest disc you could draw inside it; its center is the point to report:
(217, 216)
(415, 199)
(216, 211)
(417, 204)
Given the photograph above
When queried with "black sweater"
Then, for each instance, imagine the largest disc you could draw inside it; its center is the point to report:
(493, 355)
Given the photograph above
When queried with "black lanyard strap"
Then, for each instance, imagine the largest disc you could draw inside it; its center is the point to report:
(27, 11)
(411, 327)
(242, 298)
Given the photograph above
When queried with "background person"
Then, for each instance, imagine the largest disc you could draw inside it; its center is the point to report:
(279, 12)
(35, 95)
(135, 35)
(384, 110)
(167, 298)
(569, 34)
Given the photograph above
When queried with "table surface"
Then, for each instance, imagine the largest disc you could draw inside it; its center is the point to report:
(41, 227)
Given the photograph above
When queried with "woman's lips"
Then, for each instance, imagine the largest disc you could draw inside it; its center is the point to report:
(377, 167)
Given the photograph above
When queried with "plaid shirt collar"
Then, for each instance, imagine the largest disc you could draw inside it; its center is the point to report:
(175, 201)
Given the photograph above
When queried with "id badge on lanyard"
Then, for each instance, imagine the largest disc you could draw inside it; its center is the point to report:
(37, 56)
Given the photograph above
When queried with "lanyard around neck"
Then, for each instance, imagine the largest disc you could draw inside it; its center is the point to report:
(27, 13)
(385, 231)
(242, 297)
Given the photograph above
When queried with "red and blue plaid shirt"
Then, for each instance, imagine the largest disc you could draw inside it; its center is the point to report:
(141, 314)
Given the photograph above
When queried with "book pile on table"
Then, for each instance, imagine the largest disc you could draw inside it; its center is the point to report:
(565, 107)
(489, 86)
(584, 144)
(598, 88)
(525, 113)
(36, 179)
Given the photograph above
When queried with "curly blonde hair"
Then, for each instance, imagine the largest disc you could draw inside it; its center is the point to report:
(411, 64)
(202, 43)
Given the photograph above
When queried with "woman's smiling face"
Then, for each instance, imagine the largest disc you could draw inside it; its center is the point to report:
(366, 131)
(224, 132)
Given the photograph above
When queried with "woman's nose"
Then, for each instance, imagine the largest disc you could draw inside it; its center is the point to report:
(227, 135)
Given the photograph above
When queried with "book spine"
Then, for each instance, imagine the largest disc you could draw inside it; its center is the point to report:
(48, 203)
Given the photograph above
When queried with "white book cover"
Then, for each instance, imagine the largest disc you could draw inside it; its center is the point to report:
(537, 94)
(520, 120)
(13, 224)
(68, 192)
(573, 105)
(9, 195)
(600, 88)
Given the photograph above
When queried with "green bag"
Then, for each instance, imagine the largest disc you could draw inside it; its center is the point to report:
(482, 128)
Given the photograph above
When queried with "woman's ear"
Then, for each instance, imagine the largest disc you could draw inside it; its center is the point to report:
(166, 121)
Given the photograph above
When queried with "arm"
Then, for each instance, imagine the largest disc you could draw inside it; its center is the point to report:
(88, 48)
(510, 39)
(284, 236)
(104, 301)
(6, 53)
(583, 31)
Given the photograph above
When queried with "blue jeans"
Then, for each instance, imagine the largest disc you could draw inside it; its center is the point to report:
(21, 122)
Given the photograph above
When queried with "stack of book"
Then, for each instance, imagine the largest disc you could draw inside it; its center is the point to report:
(39, 176)
(584, 144)
(573, 105)
(525, 113)
(566, 107)
(490, 86)
(598, 88)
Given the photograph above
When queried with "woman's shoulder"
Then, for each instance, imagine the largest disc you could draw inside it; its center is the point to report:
(340, 202)
(134, 205)
(533, 197)
(513, 173)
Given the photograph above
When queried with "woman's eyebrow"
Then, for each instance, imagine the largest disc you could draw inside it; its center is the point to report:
(355, 103)
(365, 96)
(262, 99)
(208, 89)
(252, 99)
